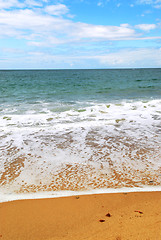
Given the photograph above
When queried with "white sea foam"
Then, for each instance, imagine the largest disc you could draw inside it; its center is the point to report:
(132, 113)
(42, 195)
(98, 141)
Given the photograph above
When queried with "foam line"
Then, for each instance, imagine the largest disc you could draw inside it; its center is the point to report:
(57, 194)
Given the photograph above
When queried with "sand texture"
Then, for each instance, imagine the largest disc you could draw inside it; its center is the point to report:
(95, 217)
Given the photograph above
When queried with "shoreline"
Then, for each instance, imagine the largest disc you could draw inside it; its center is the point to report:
(112, 216)
(7, 197)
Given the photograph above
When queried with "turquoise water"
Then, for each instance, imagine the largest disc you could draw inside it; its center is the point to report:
(79, 129)
(72, 86)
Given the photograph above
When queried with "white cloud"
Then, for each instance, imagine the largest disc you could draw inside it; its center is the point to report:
(154, 3)
(49, 41)
(118, 5)
(121, 58)
(158, 6)
(83, 30)
(45, 27)
(41, 29)
(99, 4)
(59, 9)
(26, 19)
(36, 44)
(133, 57)
(34, 25)
(145, 27)
(5, 4)
(126, 25)
(145, 1)
(140, 57)
(33, 3)
(102, 3)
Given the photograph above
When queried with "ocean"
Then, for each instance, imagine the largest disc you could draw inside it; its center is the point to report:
(79, 130)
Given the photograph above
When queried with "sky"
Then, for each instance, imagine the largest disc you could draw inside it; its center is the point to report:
(80, 34)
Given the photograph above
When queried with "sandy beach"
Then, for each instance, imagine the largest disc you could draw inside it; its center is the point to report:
(115, 216)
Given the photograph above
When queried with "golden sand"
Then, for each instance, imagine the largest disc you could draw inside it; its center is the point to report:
(118, 216)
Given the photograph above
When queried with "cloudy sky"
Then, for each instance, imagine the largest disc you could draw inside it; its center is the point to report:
(48, 34)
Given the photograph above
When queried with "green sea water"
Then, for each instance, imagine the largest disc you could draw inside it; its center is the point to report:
(73, 86)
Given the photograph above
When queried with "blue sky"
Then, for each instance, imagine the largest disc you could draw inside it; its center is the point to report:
(50, 34)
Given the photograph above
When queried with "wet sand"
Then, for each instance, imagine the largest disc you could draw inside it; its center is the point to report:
(116, 216)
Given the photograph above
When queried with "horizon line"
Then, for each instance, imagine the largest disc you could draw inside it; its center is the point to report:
(46, 69)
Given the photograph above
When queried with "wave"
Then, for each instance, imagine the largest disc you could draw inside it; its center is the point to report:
(89, 146)
(47, 114)
(147, 86)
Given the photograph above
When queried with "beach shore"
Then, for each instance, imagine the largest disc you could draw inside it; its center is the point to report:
(115, 216)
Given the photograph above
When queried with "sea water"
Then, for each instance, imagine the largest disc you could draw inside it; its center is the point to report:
(79, 130)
